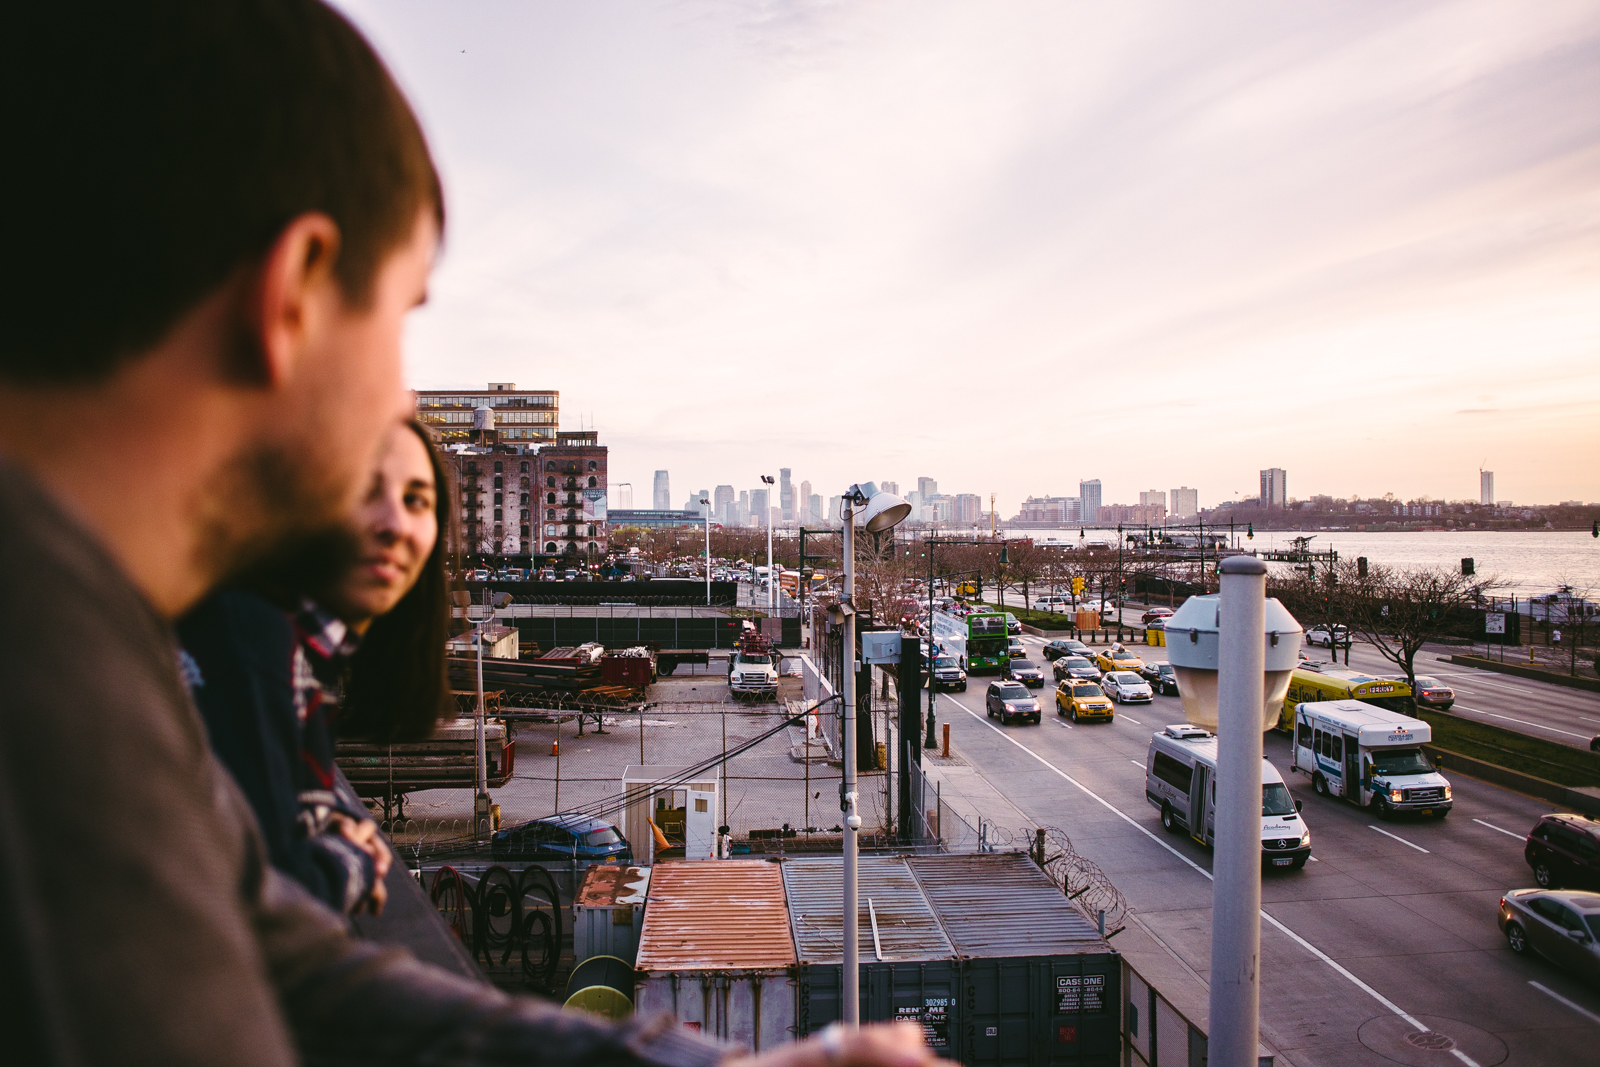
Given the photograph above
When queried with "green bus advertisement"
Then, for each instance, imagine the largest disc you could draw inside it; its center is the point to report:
(978, 640)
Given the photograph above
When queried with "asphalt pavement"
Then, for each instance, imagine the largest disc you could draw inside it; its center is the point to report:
(1390, 931)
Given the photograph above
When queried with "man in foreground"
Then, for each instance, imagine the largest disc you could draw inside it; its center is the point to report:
(221, 211)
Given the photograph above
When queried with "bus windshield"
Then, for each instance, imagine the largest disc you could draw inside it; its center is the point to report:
(1275, 799)
(1399, 761)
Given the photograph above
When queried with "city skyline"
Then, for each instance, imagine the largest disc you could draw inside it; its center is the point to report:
(1223, 209)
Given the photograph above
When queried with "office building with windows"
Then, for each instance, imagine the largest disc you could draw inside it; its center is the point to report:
(522, 417)
(1274, 488)
(1089, 500)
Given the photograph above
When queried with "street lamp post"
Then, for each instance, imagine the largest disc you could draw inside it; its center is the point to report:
(767, 507)
(1234, 653)
(705, 507)
(879, 512)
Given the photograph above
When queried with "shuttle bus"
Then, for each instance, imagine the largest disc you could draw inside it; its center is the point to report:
(978, 641)
(1312, 682)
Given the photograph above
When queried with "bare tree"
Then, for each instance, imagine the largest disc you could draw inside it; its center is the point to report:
(1401, 609)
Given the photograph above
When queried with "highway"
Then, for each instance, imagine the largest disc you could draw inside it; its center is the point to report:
(1390, 925)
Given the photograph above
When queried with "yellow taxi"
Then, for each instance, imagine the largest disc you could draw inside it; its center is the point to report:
(1117, 658)
(1082, 700)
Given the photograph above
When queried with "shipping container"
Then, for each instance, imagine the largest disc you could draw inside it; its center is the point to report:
(716, 952)
(607, 911)
(908, 966)
(1039, 986)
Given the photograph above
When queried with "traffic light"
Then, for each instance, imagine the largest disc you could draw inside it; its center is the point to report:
(1251, 532)
(1077, 586)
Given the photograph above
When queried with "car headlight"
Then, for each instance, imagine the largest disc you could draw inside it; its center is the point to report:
(1447, 792)
(1396, 796)
(1305, 837)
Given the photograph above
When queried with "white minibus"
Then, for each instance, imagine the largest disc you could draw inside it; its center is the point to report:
(1369, 756)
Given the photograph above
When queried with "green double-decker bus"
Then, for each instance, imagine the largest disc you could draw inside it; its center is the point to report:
(978, 640)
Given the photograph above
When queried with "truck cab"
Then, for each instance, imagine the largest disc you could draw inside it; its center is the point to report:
(752, 669)
(1370, 757)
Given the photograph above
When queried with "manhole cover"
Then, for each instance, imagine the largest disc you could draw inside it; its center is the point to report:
(1430, 1041)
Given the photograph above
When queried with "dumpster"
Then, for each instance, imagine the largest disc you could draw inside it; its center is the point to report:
(716, 952)
(1087, 620)
(908, 966)
(607, 911)
(1038, 983)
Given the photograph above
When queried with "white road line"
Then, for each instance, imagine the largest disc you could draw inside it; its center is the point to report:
(1525, 722)
(1411, 1020)
(1492, 826)
(1313, 859)
(1131, 719)
(1580, 1009)
(1136, 763)
(1402, 840)
(1068, 725)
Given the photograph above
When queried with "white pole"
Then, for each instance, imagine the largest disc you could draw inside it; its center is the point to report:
(771, 602)
(707, 505)
(852, 820)
(481, 807)
(1236, 891)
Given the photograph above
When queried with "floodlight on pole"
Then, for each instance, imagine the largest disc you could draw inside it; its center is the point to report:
(1234, 653)
(879, 511)
(705, 507)
(767, 479)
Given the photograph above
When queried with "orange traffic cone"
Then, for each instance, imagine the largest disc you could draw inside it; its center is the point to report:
(555, 747)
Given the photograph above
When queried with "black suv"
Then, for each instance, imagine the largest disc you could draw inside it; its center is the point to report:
(1564, 850)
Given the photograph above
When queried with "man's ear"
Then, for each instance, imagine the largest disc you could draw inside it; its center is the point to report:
(285, 301)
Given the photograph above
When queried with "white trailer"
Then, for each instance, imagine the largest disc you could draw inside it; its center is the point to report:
(1181, 779)
(1369, 756)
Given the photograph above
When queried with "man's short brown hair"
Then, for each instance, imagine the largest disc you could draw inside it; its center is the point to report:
(156, 146)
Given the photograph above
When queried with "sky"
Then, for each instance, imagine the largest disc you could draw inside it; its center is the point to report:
(1013, 245)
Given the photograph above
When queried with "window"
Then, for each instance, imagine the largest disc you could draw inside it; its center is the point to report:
(497, 498)
(524, 471)
(1172, 772)
(550, 483)
(498, 467)
(593, 466)
(551, 547)
(472, 466)
(550, 498)
(524, 530)
(499, 482)
(496, 514)
(524, 516)
(593, 482)
(550, 514)
(1305, 735)
(1338, 747)
(550, 467)
(524, 499)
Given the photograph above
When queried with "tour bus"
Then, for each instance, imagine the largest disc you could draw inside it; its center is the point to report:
(1181, 779)
(1369, 756)
(1312, 682)
(978, 641)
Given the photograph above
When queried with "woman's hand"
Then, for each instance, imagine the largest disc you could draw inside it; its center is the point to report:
(364, 835)
(876, 1045)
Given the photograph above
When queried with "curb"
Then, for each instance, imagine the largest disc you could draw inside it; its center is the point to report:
(1534, 673)
(1541, 788)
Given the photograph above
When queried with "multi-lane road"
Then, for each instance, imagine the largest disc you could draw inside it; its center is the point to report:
(1390, 929)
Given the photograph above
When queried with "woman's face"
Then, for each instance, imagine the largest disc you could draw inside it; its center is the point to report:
(396, 526)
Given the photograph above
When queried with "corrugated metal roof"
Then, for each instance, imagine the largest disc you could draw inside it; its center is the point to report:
(907, 928)
(716, 915)
(1000, 904)
(606, 885)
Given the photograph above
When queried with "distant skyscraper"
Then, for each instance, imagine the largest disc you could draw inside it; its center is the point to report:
(968, 508)
(1274, 488)
(785, 495)
(1152, 497)
(1486, 488)
(802, 503)
(758, 506)
(815, 511)
(721, 504)
(1089, 495)
(835, 512)
(663, 493)
(926, 487)
(1185, 503)
(621, 496)
(892, 488)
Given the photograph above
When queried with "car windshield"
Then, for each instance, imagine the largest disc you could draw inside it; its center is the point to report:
(1165, 668)
(1127, 678)
(1400, 761)
(1123, 654)
(1023, 665)
(945, 661)
(608, 836)
(1275, 799)
(1427, 683)
(1014, 692)
(1077, 661)
(1085, 691)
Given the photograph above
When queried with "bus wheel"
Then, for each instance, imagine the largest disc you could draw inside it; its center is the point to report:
(1381, 805)
(1169, 821)
(1319, 785)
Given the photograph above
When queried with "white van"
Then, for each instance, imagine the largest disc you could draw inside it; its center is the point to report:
(1369, 756)
(1180, 778)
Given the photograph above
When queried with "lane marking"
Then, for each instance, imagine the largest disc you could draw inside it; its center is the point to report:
(1402, 840)
(1131, 719)
(1492, 826)
(1410, 1019)
(1579, 1008)
(1136, 763)
(1313, 859)
(1525, 722)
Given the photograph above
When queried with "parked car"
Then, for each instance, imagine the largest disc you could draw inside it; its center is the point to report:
(1076, 667)
(581, 838)
(1126, 687)
(1162, 678)
(1432, 693)
(1013, 627)
(1329, 637)
(1564, 850)
(1056, 604)
(1117, 658)
(1015, 650)
(947, 674)
(1082, 700)
(1066, 647)
(1153, 614)
(1010, 700)
(1563, 926)
(1157, 623)
(1027, 672)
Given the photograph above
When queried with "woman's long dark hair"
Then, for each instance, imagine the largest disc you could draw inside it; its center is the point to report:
(399, 684)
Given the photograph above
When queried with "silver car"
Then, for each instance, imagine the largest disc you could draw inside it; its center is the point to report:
(1562, 925)
(1125, 687)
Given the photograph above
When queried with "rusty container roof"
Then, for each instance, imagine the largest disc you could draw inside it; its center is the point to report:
(716, 915)
(896, 921)
(608, 885)
(1001, 904)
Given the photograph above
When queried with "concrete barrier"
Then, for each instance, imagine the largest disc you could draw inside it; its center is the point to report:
(1522, 671)
(1583, 800)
